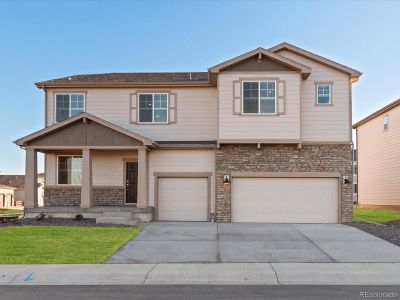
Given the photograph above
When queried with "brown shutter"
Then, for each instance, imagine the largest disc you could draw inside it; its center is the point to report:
(172, 108)
(281, 93)
(237, 101)
(133, 108)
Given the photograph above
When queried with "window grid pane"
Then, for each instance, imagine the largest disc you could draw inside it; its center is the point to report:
(70, 170)
(259, 97)
(323, 94)
(153, 108)
(69, 105)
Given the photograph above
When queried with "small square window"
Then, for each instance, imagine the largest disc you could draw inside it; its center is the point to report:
(386, 123)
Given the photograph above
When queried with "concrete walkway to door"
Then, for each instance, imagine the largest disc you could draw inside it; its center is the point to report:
(191, 242)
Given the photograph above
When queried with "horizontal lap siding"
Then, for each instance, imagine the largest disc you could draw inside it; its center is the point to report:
(284, 126)
(181, 161)
(196, 112)
(379, 161)
(323, 123)
(107, 167)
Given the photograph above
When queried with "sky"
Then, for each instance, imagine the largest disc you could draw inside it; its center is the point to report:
(42, 40)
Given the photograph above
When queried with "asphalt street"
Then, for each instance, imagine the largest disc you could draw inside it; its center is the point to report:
(170, 292)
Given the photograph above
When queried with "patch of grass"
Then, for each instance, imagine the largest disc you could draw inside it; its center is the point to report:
(61, 244)
(376, 215)
(11, 211)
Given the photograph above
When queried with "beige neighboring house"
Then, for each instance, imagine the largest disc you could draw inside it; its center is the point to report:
(16, 190)
(262, 137)
(378, 159)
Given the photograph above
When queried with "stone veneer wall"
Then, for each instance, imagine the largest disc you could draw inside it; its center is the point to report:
(110, 196)
(62, 196)
(281, 158)
(67, 196)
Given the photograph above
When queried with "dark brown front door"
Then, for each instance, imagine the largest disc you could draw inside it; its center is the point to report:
(131, 182)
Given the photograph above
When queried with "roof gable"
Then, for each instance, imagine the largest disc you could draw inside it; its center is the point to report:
(271, 60)
(83, 130)
(325, 61)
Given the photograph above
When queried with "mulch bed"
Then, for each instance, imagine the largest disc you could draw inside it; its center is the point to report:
(389, 231)
(57, 222)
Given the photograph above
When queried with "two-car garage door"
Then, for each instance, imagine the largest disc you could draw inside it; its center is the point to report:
(285, 200)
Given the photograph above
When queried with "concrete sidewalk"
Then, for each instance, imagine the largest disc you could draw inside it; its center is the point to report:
(204, 274)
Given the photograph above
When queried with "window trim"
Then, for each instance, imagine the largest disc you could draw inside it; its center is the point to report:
(57, 169)
(385, 126)
(259, 101)
(138, 107)
(329, 84)
(67, 93)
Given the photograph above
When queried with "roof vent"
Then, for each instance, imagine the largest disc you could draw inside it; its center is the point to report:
(190, 75)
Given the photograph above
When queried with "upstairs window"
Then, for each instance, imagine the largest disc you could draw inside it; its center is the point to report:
(153, 108)
(69, 105)
(259, 97)
(324, 94)
(69, 169)
(385, 123)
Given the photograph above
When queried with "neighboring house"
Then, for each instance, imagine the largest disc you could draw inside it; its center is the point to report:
(355, 180)
(17, 182)
(378, 160)
(7, 199)
(262, 137)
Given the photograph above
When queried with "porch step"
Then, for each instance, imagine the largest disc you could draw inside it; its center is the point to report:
(122, 214)
(117, 221)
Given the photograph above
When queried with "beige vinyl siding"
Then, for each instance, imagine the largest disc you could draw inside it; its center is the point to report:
(107, 167)
(323, 123)
(234, 126)
(196, 112)
(379, 160)
(181, 161)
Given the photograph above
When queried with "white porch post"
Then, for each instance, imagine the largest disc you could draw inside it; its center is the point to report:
(142, 188)
(31, 192)
(86, 187)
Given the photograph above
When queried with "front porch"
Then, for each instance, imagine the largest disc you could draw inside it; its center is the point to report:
(92, 167)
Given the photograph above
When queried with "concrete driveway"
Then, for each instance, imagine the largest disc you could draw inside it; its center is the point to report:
(192, 242)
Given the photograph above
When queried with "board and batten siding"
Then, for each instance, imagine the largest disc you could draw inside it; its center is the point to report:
(181, 161)
(196, 112)
(379, 160)
(324, 123)
(107, 167)
(261, 127)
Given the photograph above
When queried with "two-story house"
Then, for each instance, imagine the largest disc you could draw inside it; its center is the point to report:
(262, 137)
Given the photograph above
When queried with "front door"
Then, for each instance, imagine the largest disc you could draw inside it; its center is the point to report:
(131, 182)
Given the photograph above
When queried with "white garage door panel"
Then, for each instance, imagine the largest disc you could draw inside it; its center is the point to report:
(182, 199)
(285, 200)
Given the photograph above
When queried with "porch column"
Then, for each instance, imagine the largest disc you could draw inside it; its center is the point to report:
(142, 188)
(31, 199)
(86, 186)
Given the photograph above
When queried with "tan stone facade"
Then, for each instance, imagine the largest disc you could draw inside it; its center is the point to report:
(67, 196)
(281, 158)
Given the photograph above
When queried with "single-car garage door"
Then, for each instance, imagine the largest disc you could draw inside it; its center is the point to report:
(285, 200)
(182, 199)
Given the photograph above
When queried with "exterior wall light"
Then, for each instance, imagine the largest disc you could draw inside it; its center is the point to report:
(227, 179)
(346, 179)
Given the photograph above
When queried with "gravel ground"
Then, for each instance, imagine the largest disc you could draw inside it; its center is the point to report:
(57, 222)
(388, 231)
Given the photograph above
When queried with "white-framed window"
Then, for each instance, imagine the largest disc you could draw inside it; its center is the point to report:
(68, 105)
(324, 94)
(259, 97)
(153, 108)
(385, 123)
(69, 169)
